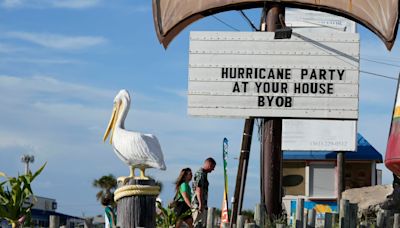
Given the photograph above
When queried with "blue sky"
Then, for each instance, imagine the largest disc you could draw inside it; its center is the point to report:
(61, 64)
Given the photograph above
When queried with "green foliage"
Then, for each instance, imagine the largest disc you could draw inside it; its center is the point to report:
(15, 193)
(276, 220)
(167, 216)
(248, 214)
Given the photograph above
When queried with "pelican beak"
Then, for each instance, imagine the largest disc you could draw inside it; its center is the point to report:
(113, 120)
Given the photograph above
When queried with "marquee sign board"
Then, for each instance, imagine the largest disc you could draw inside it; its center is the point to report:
(242, 74)
(299, 19)
(319, 135)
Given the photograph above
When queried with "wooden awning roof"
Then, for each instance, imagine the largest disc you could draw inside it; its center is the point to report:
(380, 16)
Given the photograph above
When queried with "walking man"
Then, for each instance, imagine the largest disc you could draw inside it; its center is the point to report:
(200, 196)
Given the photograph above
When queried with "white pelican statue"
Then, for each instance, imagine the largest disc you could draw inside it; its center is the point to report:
(135, 149)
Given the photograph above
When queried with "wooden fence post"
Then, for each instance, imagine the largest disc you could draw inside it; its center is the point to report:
(396, 222)
(353, 215)
(344, 214)
(136, 203)
(380, 220)
(259, 215)
(300, 213)
(54, 221)
(250, 225)
(328, 220)
(311, 218)
(210, 217)
(88, 223)
(240, 221)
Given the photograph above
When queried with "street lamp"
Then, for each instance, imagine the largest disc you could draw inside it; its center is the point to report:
(27, 159)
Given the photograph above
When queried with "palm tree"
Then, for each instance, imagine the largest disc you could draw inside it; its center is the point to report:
(107, 184)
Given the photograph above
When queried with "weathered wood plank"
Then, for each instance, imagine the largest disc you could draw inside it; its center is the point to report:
(137, 211)
(328, 220)
(300, 213)
(210, 217)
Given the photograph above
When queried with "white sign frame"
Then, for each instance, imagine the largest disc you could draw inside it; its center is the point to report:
(210, 94)
(319, 135)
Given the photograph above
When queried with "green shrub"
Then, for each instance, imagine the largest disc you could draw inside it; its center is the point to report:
(15, 193)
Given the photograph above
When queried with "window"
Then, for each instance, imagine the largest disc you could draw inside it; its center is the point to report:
(322, 180)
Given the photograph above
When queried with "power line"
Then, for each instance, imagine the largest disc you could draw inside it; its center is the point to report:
(380, 58)
(365, 72)
(223, 22)
(379, 75)
(248, 20)
(379, 62)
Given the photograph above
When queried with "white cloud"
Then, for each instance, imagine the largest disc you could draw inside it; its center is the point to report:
(75, 4)
(23, 87)
(141, 9)
(56, 41)
(40, 61)
(6, 48)
(180, 93)
(11, 3)
(69, 4)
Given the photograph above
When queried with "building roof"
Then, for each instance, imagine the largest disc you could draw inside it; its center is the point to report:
(36, 213)
(365, 152)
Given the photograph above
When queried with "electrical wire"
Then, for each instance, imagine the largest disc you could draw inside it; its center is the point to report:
(379, 62)
(365, 72)
(379, 75)
(380, 58)
(223, 22)
(248, 20)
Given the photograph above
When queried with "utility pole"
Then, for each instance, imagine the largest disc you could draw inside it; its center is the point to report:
(340, 164)
(271, 153)
(237, 203)
(27, 159)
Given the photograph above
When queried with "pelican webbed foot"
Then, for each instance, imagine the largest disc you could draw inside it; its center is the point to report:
(142, 174)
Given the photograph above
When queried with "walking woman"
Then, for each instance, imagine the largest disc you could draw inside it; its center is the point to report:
(184, 195)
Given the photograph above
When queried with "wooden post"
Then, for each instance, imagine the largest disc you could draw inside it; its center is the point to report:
(138, 207)
(380, 220)
(242, 170)
(272, 172)
(353, 215)
(311, 218)
(340, 157)
(305, 218)
(210, 217)
(88, 223)
(259, 215)
(54, 221)
(328, 220)
(271, 153)
(240, 221)
(396, 221)
(300, 213)
(344, 214)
